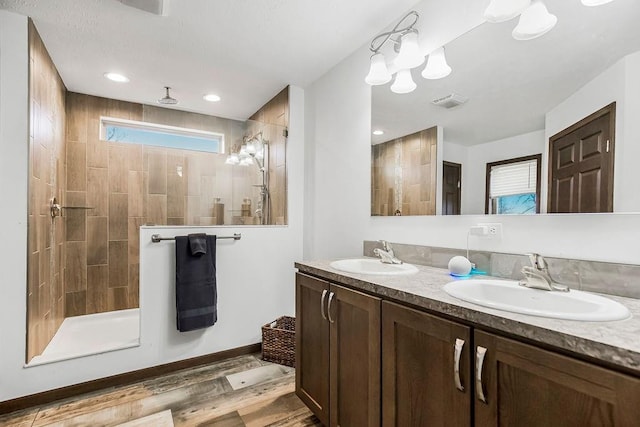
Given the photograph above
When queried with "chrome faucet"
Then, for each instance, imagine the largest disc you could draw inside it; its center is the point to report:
(386, 253)
(537, 275)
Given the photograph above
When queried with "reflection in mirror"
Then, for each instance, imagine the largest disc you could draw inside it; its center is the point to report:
(544, 97)
(513, 187)
(101, 168)
(403, 175)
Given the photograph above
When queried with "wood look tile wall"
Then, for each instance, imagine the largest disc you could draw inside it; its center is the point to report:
(276, 112)
(403, 175)
(182, 185)
(97, 275)
(46, 237)
(129, 185)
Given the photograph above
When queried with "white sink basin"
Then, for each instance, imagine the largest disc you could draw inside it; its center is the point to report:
(373, 266)
(509, 296)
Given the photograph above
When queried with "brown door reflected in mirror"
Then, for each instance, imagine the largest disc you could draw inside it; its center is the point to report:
(451, 188)
(581, 165)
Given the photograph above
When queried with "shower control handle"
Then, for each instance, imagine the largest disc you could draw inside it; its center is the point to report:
(55, 209)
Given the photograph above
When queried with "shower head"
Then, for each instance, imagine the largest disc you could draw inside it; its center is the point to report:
(167, 100)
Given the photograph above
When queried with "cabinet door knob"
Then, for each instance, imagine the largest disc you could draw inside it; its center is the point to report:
(480, 354)
(457, 352)
(331, 295)
(324, 296)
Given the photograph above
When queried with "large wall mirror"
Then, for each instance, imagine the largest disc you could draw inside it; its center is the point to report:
(548, 125)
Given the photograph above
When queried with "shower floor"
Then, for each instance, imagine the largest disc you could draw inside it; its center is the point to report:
(91, 334)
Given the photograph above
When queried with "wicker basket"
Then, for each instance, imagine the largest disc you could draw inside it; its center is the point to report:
(279, 341)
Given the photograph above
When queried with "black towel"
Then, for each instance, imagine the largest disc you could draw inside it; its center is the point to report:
(196, 295)
(198, 243)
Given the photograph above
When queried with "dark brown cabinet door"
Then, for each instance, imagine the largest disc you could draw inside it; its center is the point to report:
(312, 345)
(337, 353)
(425, 369)
(527, 386)
(355, 358)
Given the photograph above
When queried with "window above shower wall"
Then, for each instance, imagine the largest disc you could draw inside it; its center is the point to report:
(134, 132)
(173, 167)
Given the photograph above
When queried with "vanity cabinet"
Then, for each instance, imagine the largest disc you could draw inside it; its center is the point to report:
(337, 352)
(366, 362)
(425, 369)
(520, 384)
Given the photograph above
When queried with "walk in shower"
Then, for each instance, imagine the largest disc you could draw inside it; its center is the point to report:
(100, 169)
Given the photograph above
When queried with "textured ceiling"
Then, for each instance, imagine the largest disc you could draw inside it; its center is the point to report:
(246, 51)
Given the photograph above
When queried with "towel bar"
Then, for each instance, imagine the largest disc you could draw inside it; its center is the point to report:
(155, 238)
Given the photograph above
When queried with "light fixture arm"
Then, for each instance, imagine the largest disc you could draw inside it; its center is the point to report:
(376, 44)
(256, 136)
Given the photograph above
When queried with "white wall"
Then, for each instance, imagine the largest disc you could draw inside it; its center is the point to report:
(341, 104)
(628, 177)
(338, 165)
(13, 188)
(255, 275)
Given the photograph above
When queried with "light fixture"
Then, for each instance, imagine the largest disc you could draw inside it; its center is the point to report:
(246, 161)
(405, 42)
(378, 132)
(378, 73)
(409, 55)
(595, 2)
(503, 10)
(211, 97)
(260, 153)
(232, 159)
(251, 147)
(403, 83)
(167, 100)
(116, 77)
(251, 151)
(534, 22)
(437, 67)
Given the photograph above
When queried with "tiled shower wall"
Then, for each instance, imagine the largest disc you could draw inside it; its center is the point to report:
(275, 112)
(183, 185)
(403, 175)
(128, 185)
(102, 256)
(45, 303)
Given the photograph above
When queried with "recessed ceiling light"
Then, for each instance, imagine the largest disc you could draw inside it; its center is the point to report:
(116, 77)
(211, 97)
(378, 132)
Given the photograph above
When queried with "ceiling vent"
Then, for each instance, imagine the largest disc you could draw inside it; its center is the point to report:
(450, 101)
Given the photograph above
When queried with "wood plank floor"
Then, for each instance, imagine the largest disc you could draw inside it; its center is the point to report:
(257, 393)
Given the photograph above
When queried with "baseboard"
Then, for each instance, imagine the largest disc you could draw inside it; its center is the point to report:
(49, 396)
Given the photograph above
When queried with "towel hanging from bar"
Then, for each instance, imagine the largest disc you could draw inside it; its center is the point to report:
(196, 293)
(156, 238)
